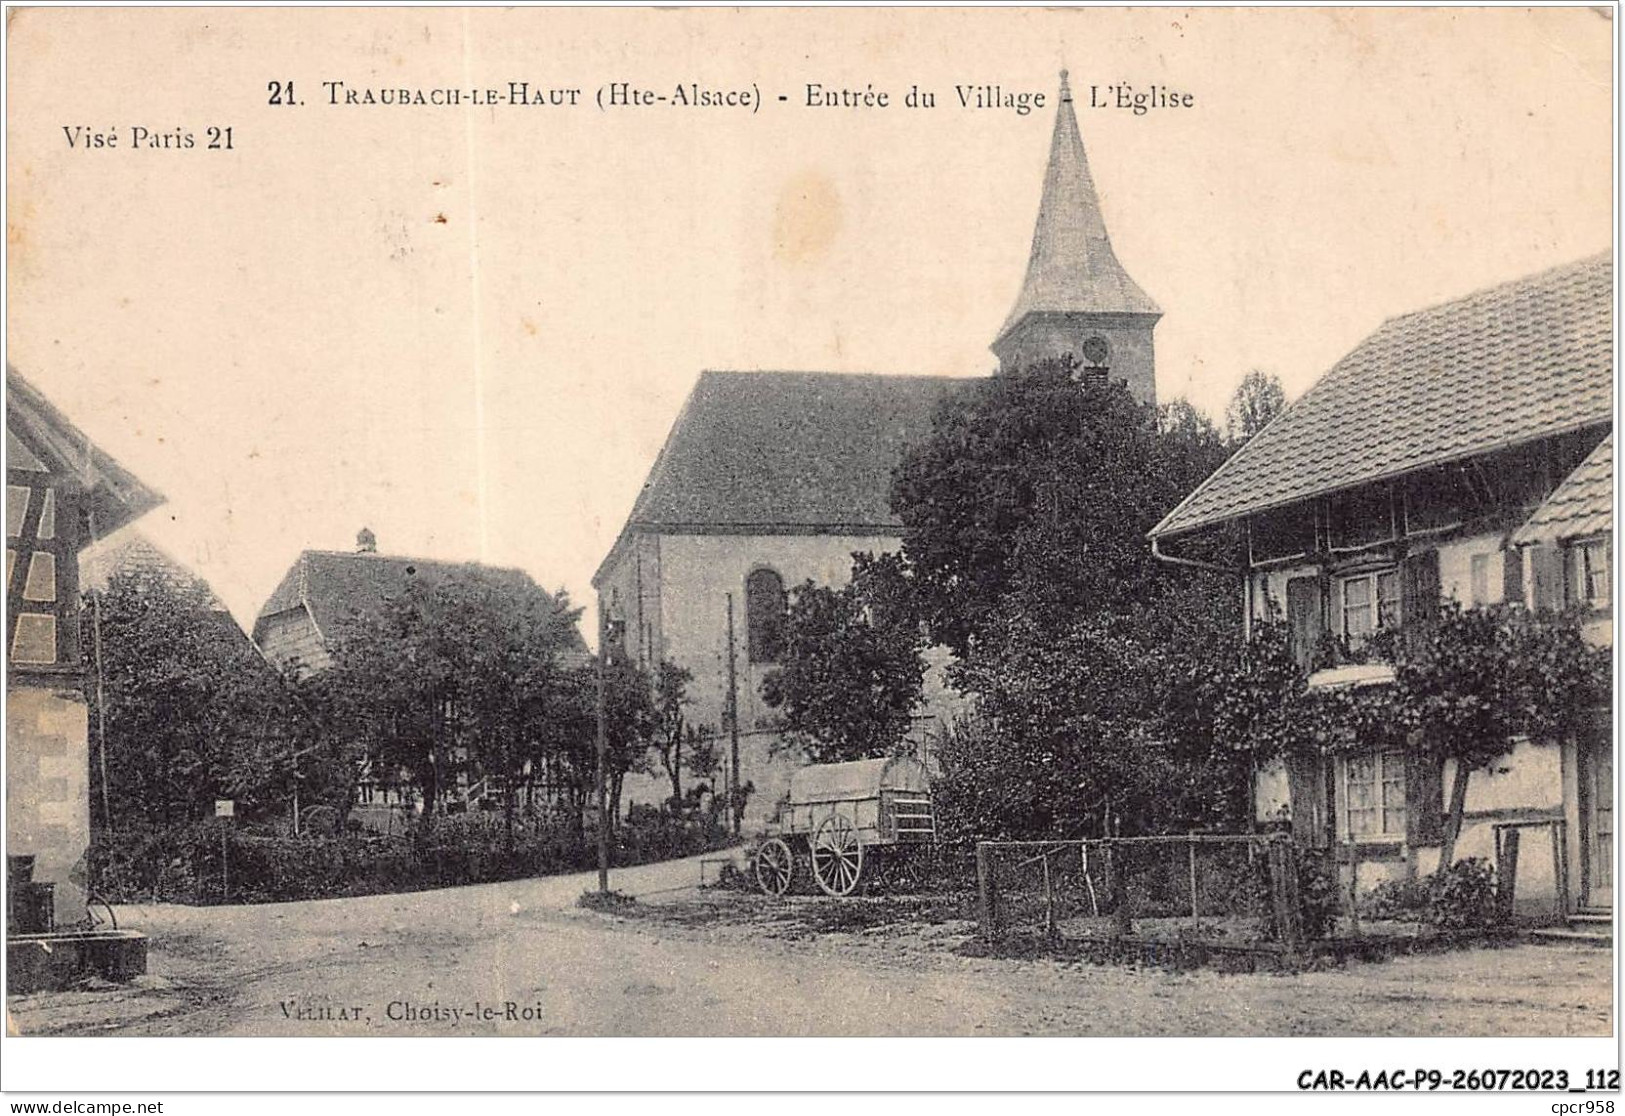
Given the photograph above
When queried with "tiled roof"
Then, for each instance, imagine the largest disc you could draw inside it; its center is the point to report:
(1072, 268)
(1510, 364)
(336, 585)
(788, 450)
(116, 495)
(132, 553)
(1582, 505)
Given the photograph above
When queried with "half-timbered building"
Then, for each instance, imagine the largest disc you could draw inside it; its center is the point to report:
(1460, 451)
(62, 493)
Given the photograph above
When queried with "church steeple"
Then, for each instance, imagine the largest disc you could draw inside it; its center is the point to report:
(1076, 297)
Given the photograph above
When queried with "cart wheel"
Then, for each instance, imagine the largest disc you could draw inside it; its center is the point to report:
(837, 857)
(775, 867)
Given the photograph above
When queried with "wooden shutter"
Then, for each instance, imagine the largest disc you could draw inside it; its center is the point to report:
(1306, 619)
(1424, 797)
(1512, 577)
(1419, 591)
(1546, 573)
(1306, 789)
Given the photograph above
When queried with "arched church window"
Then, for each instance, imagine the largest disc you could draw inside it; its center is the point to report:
(765, 608)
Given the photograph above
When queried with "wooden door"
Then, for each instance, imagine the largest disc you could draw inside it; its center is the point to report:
(1599, 821)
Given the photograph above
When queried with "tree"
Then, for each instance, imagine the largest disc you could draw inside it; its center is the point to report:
(1025, 520)
(191, 711)
(703, 758)
(1085, 728)
(472, 673)
(668, 727)
(1470, 682)
(1467, 682)
(1035, 492)
(1257, 399)
(853, 670)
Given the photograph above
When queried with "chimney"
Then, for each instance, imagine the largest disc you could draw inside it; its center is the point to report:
(366, 542)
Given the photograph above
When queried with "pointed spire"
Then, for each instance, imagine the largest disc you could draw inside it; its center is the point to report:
(1072, 268)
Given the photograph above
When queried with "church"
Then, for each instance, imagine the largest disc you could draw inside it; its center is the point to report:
(771, 479)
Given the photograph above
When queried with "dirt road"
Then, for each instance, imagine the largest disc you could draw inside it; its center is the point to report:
(520, 959)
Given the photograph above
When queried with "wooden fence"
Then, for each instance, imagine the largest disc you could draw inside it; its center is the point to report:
(1235, 887)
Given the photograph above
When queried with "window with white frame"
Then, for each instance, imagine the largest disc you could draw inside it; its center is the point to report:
(1371, 602)
(1590, 575)
(1374, 795)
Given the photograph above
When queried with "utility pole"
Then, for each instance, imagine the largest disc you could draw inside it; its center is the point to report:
(733, 719)
(603, 755)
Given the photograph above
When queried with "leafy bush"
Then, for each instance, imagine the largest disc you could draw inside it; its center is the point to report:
(184, 864)
(1463, 896)
(1400, 900)
(1319, 892)
(652, 833)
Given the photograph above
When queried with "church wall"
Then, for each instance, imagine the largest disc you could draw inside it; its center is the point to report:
(686, 580)
(630, 592)
(696, 573)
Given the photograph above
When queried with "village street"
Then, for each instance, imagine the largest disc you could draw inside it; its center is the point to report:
(520, 959)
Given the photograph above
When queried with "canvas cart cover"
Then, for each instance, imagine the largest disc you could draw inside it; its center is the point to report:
(844, 782)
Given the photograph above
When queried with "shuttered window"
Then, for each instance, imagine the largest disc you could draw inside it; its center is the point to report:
(1306, 618)
(1546, 571)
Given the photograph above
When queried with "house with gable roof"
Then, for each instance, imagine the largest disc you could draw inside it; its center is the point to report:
(771, 479)
(324, 589)
(62, 493)
(1462, 451)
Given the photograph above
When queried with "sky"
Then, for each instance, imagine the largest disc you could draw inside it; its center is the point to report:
(470, 328)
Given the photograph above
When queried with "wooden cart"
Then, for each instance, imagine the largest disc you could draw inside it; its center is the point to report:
(842, 820)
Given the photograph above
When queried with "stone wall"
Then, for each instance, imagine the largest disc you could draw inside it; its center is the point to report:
(48, 789)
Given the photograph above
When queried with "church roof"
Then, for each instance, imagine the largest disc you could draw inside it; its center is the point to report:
(1072, 268)
(1524, 360)
(1581, 506)
(787, 452)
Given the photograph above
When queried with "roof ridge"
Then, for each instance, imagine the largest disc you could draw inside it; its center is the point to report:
(1534, 278)
(743, 373)
(1444, 382)
(374, 556)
